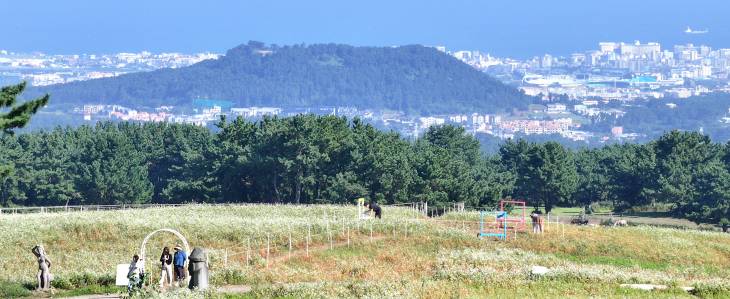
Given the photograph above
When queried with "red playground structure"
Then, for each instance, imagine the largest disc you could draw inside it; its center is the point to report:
(515, 221)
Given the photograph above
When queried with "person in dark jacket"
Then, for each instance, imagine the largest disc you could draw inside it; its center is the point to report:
(372, 206)
(166, 269)
(178, 261)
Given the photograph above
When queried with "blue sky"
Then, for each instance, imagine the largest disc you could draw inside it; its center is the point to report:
(505, 28)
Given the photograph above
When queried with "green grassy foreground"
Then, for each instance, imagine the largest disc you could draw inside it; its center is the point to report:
(398, 256)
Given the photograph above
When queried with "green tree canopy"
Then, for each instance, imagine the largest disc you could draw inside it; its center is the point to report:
(14, 115)
(17, 116)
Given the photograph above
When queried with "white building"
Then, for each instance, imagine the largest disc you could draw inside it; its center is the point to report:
(555, 108)
(256, 111)
(431, 121)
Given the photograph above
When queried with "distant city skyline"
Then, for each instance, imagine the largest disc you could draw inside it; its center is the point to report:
(504, 28)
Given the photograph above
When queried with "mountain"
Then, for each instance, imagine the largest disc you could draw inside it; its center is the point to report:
(407, 78)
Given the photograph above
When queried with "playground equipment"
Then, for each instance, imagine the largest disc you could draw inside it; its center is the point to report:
(497, 223)
(496, 228)
(517, 222)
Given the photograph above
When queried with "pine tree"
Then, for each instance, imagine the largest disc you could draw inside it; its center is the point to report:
(19, 115)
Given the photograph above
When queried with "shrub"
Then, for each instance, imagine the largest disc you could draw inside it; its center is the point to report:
(76, 281)
(13, 290)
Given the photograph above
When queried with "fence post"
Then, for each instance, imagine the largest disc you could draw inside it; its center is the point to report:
(348, 236)
(548, 222)
(248, 251)
(371, 231)
(329, 235)
(289, 243)
(309, 236)
(343, 226)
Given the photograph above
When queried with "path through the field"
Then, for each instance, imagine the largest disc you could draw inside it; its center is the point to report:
(95, 297)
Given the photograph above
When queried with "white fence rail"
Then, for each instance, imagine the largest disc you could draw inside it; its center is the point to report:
(419, 207)
(81, 208)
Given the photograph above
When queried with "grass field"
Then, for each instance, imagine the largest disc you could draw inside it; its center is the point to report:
(398, 256)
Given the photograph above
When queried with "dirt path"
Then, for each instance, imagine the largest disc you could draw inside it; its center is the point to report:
(228, 289)
(95, 297)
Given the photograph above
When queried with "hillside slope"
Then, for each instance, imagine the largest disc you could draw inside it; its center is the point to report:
(408, 78)
(325, 251)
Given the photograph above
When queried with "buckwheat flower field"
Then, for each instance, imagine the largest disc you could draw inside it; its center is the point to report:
(327, 251)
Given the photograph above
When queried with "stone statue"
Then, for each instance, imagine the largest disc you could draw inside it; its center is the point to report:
(198, 268)
(44, 268)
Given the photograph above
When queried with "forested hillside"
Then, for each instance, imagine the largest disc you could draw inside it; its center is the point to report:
(310, 159)
(407, 78)
(655, 117)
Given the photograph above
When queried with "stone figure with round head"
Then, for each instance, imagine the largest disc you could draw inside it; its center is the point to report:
(44, 268)
(198, 268)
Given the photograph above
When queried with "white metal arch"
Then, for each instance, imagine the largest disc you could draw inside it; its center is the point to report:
(143, 247)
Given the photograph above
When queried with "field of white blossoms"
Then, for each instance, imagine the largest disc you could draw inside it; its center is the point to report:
(325, 251)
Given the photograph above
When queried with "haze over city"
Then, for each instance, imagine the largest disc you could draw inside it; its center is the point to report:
(504, 28)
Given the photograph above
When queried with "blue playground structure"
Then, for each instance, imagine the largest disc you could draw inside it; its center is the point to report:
(492, 228)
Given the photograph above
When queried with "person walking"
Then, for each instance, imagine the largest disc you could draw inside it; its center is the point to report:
(135, 275)
(537, 222)
(179, 262)
(166, 269)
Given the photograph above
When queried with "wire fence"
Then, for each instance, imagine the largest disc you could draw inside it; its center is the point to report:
(268, 248)
(81, 208)
(86, 208)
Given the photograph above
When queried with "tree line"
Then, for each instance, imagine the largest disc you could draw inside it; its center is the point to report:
(326, 159)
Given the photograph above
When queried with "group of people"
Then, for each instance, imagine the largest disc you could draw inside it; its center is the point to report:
(171, 266)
